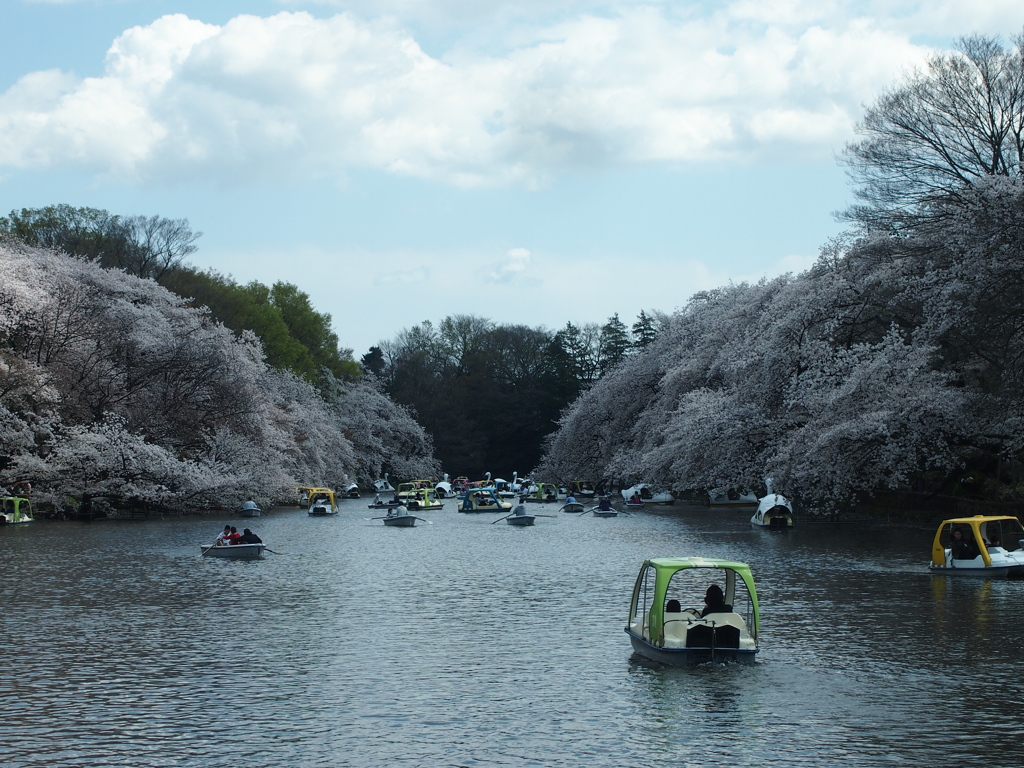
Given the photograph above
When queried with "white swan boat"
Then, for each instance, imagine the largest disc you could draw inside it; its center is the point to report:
(773, 510)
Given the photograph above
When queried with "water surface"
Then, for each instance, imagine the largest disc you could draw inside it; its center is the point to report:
(464, 643)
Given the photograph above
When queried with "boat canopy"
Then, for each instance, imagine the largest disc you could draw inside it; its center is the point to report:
(18, 507)
(664, 568)
(991, 530)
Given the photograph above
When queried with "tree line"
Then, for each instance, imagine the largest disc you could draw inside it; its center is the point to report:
(896, 362)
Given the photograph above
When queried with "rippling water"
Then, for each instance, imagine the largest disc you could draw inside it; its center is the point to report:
(463, 643)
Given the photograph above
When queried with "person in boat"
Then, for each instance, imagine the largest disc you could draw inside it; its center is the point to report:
(714, 601)
(376, 499)
(961, 547)
(234, 536)
(248, 537)
(225, 536)
(570, 499)
(549, 495)
(635, 498)
(605, 505)
(672, 606)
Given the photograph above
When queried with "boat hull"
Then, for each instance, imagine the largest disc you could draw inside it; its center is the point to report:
(572, 507)
(233, 551)
(400, 521)
(520, 520)
(1014, 571)
(604, 513)
(685, 657)
(322, 512)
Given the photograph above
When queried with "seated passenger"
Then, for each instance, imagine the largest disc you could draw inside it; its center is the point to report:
(248, 537)
(714, 601)
(672, 606)
(961, 547)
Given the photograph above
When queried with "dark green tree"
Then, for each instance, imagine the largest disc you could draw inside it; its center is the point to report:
(614, 343)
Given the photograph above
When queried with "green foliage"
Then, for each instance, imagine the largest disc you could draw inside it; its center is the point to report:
(295, 337)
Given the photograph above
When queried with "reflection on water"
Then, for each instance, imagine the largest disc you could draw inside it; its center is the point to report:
(466, 643)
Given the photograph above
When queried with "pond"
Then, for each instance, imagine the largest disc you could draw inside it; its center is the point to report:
(466, 643)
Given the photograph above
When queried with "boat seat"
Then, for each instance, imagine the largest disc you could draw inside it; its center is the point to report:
(722, 630)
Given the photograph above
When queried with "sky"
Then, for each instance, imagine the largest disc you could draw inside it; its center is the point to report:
(534, 162)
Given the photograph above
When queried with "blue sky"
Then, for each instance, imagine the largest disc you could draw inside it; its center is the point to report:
(535, 162)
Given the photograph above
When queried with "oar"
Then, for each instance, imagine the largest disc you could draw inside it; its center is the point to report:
(539, 515)
(424, 520)
(502, 518)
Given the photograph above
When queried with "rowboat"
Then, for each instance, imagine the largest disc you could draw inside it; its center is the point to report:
(250, 509)
(572, 507)
(15, 510)
(233, 551)
(399, 517)
(956, 550)
(733, 498)
(661, 630)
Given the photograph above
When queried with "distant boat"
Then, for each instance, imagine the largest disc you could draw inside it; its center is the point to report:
(648, 495)
(734, 497)
(399, 517)
(250, 509)
(572, 507)
(322, 503)
(15, 510)
(773, 510)
(483, 500)
(383, 485)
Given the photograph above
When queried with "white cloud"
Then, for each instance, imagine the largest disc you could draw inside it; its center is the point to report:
(299, 96)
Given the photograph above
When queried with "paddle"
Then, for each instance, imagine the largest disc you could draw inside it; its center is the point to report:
(424, 520)
(502, 518)
(268, 549)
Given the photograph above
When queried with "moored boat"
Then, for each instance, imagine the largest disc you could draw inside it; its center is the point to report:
(983, 545)
(233, 551)
(661, 630)
(383, 485)
(16, 510)
(733, 497)
(646, 494)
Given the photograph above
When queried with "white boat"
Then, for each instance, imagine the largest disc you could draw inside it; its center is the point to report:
(233, 551)
(444, 488)
(956, 550)
(661, 629)
(773, 510)
(382, 485)
(648, 495)
(250, 509)
(322, 503)
(733, 497)
(352, 491)
(15, 510)
(572, 507)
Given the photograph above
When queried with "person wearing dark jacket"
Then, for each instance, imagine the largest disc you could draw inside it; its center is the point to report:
(248, 537)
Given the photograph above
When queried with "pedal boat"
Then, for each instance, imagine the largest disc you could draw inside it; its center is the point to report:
(484, 500)
(322, 503)
(1002, 553)
(15, 510)
(683, 637)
